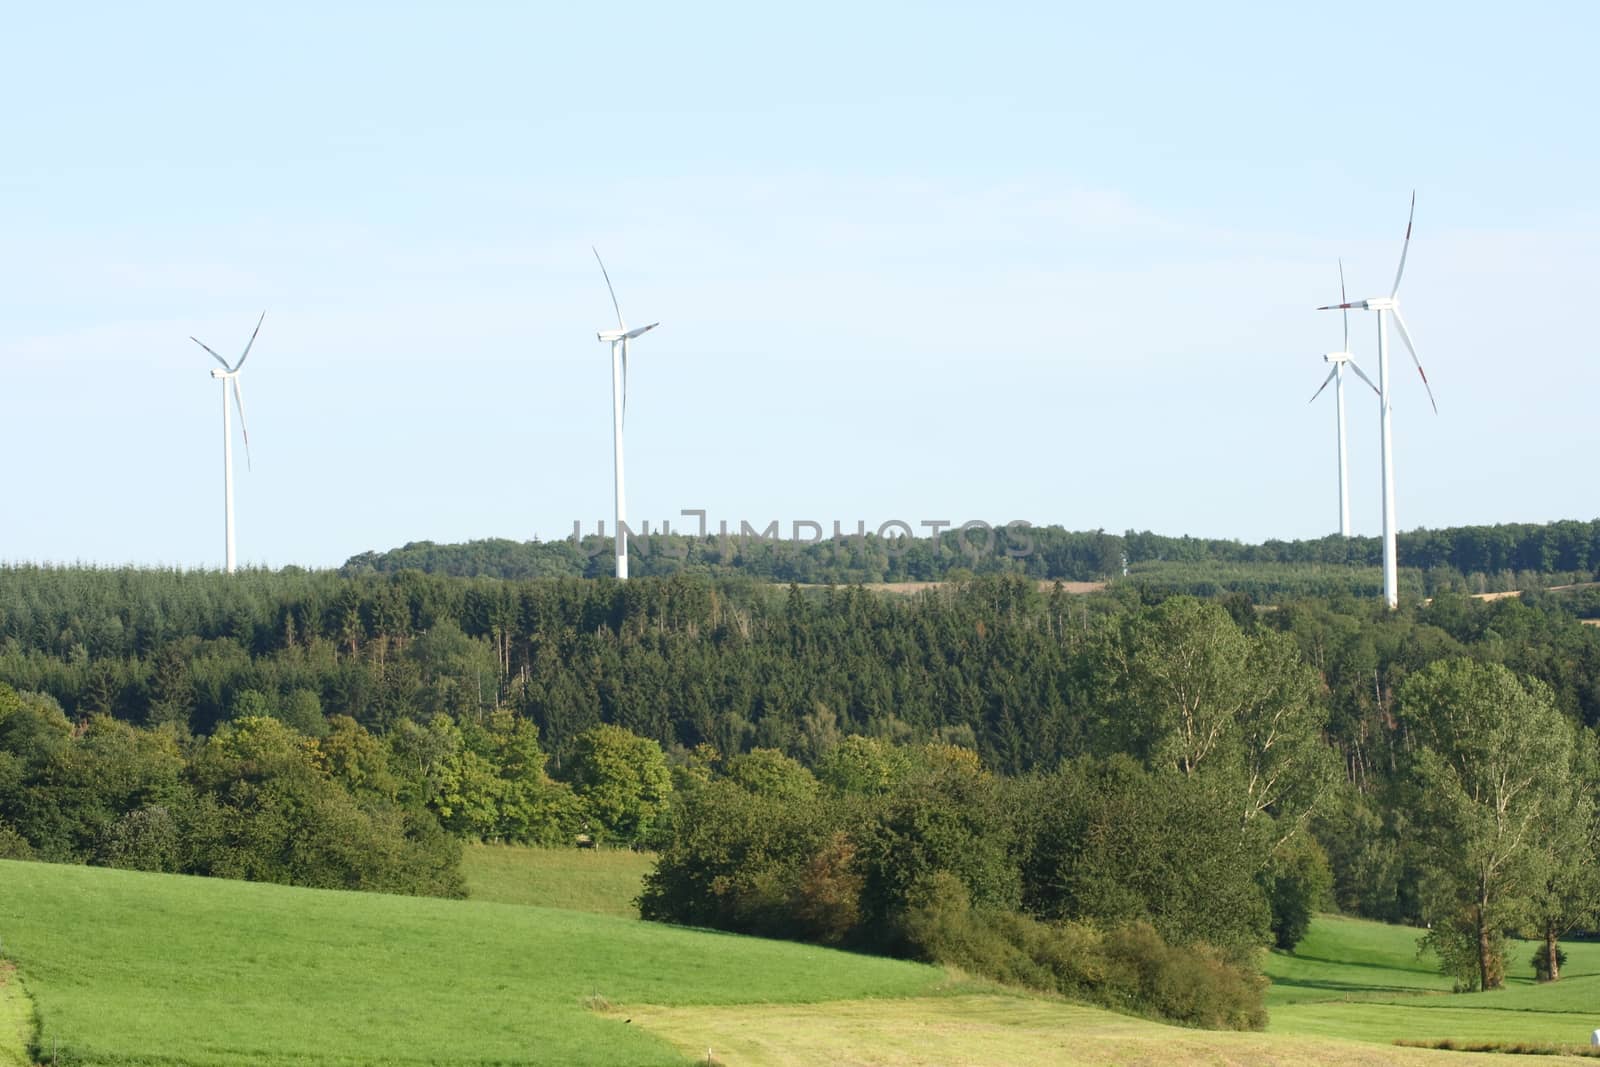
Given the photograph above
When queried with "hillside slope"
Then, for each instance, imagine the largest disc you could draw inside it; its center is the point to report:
(161, 969)
(131, 968)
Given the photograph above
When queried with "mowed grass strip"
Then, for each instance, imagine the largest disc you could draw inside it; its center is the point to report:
(603, 881)
(1355, 979)
(131, 968)
(997, 1030)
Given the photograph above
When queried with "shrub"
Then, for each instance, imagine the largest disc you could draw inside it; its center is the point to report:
(268, 811)
(1190, 984)
(143, 840)
(13, 846)
(1540, 961)
(826, 900)
(1129, 968)
(755, 864)
(948, 815)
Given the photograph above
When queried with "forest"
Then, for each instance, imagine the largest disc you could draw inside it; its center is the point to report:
(838, 764)
(1474, 559)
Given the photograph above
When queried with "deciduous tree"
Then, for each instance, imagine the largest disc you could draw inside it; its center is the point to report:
(1495, 766)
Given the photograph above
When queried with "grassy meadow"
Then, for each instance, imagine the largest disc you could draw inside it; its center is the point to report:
(1349, 979)
(1352, 988)
(1355, 979)
(1352, 958)
(602, 881)
(130, 968)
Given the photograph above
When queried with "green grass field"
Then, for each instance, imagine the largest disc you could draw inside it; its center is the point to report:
(130, 968)
(1362, 980)
(603, 881)
(1348, 978)
(1351, 958)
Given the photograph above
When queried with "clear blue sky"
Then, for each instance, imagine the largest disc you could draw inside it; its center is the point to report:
(930, 261)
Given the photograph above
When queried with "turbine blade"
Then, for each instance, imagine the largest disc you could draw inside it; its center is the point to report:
(1324, 385)
(253, 333)
(214, 356)
(617, 307)
(1405, 247)
(244, 427)
(1339, 307)
(1362, 375)
(625, 381)
(1343, 296)
(1405, 335)
(643, 329)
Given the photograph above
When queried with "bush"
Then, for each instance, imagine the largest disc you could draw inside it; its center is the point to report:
(948, 815)
(942, 927)
(1540, 961)
(13, 846)
(1190, 984)
(1129, 968)
(144, 840)
(826, 899)
(756, 864)
(268, 811)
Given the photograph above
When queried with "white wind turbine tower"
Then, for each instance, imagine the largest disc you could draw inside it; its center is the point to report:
(1340, 360)
(1386, 306)
(619, 339)
(226, 376)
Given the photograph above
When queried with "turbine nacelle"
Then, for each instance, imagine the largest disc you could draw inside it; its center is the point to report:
(1376, 303)
(1339, 361)
(614, 336)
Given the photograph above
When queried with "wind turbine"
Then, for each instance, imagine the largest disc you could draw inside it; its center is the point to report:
(619, 339)
(1386, 306)
(231, 375)
(1340, 360)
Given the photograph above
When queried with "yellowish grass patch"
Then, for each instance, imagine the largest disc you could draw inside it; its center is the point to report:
(992, 1030)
